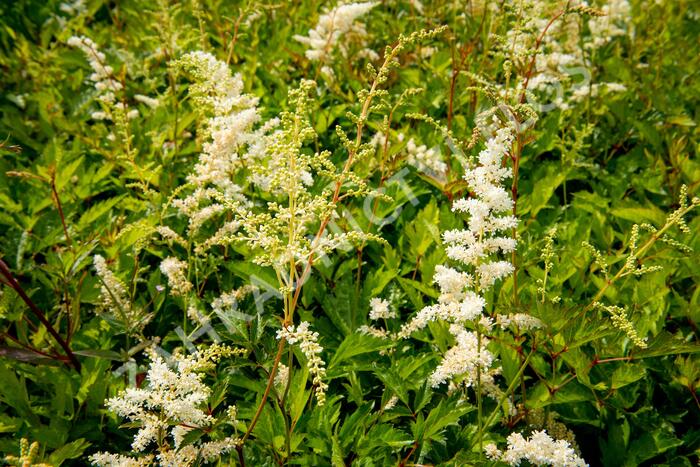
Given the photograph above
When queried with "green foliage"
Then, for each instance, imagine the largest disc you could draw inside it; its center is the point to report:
(616, 359)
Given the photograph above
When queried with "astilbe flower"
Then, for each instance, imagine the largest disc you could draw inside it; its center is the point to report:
(612, 23)
(331, 27)
(103, 78)
(461, 301)
(561, 55)
(174, 403)
(538, 449)
(27, 454)
(380, 309)
(176, 272)
(424, 159)
(280, 231)
(234, 140)
(114, 298)
(308, 344)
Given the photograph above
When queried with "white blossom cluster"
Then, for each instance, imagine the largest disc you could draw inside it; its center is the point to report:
(612, 24)
(424, 159)
(176, 272)
(103, 76)
(279, 230)
(522, 321)
(332, 26)
(228, 301)
(561, 66)
(465, 358)
(308, 343)
(285, 229)
(74, 8)
(461, 301)
(538, 449)
(172, 404)
(282, 377)
(380, 309)
(233, 139)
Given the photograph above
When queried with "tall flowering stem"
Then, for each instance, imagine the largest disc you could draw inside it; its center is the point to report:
(355, 149)
(461, 302)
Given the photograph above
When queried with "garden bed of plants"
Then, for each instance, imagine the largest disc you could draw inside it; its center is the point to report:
(436, 233)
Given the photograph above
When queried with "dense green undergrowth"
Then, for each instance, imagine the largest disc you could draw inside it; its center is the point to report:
(151, 212)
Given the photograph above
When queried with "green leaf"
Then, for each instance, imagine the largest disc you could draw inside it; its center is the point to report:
(96, 211)
(627, 374)
(356, 344)
(640, 214)
(72, 450)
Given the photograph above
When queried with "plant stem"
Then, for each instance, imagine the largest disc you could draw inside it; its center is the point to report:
(5, 271)
(512, 385)
(270, 382)
(57, 200)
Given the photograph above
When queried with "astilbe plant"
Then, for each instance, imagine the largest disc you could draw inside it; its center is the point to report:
(482, 324)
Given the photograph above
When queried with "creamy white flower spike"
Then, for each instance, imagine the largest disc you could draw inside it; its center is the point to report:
(233, 142)
(476, 248)
(424, 159)
(538, 449)
(308, 343)
(331, 27)
(173, 402)
(115, 300)
(560, 76)
(380, 309)
(176, 272)
(103, 74)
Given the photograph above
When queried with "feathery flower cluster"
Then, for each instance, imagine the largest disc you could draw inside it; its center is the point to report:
(282, 232)
(147, 100)
(522, 321)
(233, 139)
(391, 403)
(560, 59)
(308, 343)
(424, 159)
(538, 449)
(176, 272)
(461, 301)
(282, 377)
(74, 8)
(114, 298)
(380, 309)
(174, 403)
(621, 322)
(228, 301)
(603, 28)
(103, 76)
(278, 231)
(331, 27)
(465, 358)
